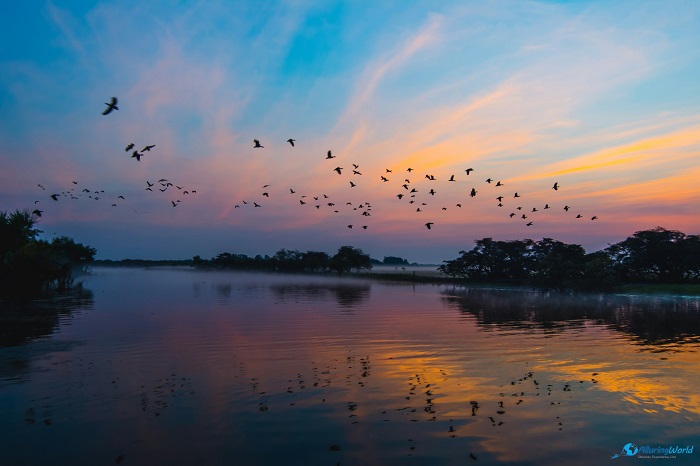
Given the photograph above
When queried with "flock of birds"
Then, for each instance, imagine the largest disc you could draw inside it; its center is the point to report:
(418, 195)
(413, 196)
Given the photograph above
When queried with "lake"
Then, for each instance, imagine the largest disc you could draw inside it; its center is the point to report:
(178, 366)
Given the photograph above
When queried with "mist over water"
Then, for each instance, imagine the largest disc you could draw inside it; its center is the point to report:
(176, 366)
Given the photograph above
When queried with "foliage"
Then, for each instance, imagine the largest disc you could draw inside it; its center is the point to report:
(31, 267)
(656, 255)
(391, 260)
(349, 258)
(286, 260)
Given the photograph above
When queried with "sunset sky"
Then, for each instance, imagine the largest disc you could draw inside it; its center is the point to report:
(600, 97)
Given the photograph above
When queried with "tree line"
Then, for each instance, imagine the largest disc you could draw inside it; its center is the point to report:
(33, 267)
(285, 260)
(650, 256)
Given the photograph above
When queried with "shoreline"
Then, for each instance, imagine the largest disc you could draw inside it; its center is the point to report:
(435, 277)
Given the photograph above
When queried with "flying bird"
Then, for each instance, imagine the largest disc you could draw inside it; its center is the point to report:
(452, 178)
(469, 170)
(409, 169)
(148, 148)
(428, 225)
(257, 144)
(112, 105)
(129, 147)
(54, 197)
(120, 197)
(556, 187)
(37, 212)
(473, 192)
(136, 156)
(352, 185)
(338, 169)
(566, 208)
(329, 156)
(291, 141)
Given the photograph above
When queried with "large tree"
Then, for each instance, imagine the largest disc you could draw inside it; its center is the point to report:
(655, 255)
(348, 258)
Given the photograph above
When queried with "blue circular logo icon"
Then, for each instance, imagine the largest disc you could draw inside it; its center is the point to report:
(630, 449)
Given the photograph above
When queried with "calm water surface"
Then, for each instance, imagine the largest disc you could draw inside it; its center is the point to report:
(175, 366)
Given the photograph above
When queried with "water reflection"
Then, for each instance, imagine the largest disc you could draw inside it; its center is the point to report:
(189, 367)
(22, 321)
(650, 320)
(25, 324)
(345, 295)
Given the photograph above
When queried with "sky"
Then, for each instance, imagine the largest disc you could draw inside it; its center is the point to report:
(602, 98)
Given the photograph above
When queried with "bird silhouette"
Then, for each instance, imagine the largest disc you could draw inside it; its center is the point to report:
(329, 156)
(338, 169)
(148, 148)
(120, 197)
(266, 194)
(429, 225)
(566, 208)
(112, 105)
(37, 212)
(257, 144)
(384, 179)
(431, 192)
(409, 169)
(174, 203)
(516, 195)
(528, 224)
(469, 170)
(129, 147)
(291, 141)
(55, 196)
(136, 156)
(473, 192)
(352, 185)
(594, 218)
(452, 178)
(556, 187)
(489, 180)
(399, 196)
